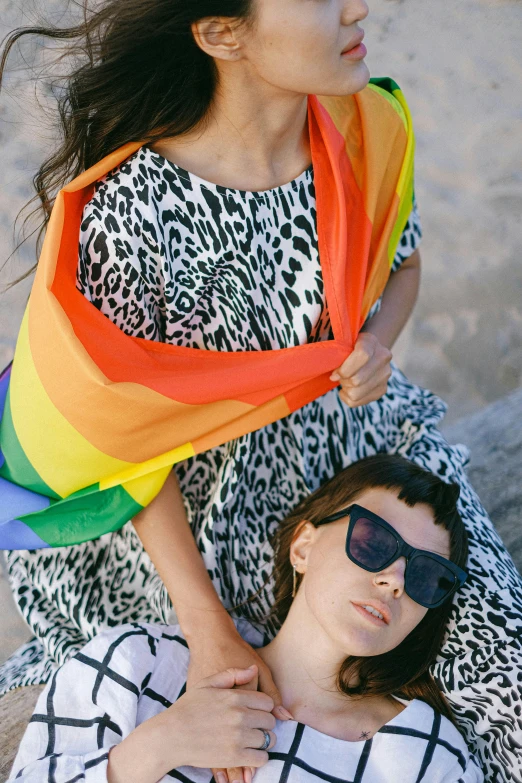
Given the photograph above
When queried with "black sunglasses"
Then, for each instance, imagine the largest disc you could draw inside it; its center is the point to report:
(373, 544)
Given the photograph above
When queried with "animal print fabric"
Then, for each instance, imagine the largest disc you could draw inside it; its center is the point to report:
(235, 496)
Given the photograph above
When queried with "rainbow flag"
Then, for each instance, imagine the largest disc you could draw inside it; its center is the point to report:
(92, 420)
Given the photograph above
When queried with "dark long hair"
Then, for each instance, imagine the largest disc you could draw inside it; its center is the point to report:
(136, 74)
(403, 671)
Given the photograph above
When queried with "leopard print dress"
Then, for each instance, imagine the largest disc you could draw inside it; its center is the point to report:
(168, 256)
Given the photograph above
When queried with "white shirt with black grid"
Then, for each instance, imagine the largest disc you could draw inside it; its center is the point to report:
(127, 675)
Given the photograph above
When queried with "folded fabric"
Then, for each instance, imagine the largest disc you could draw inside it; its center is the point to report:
(92, 419)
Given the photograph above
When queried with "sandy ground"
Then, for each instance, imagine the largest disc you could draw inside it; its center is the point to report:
(460, 67)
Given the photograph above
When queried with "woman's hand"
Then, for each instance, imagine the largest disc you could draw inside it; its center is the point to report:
(223, 649)
(212, 723)
(365, 373)
(222, 722)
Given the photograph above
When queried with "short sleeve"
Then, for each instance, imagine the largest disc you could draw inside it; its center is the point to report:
(410, 238)
(120, 273)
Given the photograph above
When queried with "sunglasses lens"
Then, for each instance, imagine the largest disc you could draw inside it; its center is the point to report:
(428, 581)
(371, 546)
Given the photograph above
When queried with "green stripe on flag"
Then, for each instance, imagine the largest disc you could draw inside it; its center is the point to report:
(385, 82)
(83, 516)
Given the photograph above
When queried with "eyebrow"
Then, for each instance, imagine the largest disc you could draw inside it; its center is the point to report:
(445, 554)
(435, 552)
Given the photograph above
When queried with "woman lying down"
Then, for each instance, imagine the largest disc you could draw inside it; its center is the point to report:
(363, 573)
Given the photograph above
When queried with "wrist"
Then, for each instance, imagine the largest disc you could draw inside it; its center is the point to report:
(146, 755)
(207, 625)
(383, 336)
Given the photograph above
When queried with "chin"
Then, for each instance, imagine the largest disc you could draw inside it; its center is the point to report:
(359, 79)
(359, 644)
(363, 648)
(354, 82)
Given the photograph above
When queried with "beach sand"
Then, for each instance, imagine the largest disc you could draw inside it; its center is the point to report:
(460, 68)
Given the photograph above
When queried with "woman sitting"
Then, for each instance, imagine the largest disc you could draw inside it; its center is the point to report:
(363, 572)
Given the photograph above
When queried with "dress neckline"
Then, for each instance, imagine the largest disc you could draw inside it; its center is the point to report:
(391, 722)
(259, 195)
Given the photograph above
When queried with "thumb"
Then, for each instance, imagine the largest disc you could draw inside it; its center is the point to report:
(363, 351)
(350, 366)
(229, 678)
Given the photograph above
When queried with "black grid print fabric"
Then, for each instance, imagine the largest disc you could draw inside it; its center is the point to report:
(126, 676)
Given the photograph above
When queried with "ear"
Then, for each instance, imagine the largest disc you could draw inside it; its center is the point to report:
(216, 36)
(304, 539)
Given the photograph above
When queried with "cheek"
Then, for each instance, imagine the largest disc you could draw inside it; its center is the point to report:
(290, 43)
(412, 614)
(332, 580)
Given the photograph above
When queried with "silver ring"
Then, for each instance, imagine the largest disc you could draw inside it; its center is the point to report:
(267, 741)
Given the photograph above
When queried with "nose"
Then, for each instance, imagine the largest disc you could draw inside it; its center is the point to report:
(392, 577)
(355, 11)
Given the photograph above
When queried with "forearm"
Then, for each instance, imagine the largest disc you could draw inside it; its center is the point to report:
(146, 755)
(167, 538)
(398, 302)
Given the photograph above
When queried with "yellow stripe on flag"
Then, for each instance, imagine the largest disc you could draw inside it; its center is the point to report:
(145, 489)
(144, 469)
(62, 457)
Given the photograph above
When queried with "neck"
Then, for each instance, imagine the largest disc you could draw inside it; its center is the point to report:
(255, 136)
(305, 663)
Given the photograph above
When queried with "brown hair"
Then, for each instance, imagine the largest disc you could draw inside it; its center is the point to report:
(135, 74)
(403, 671)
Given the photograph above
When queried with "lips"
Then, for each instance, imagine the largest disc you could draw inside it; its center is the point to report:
(376, 610)
(354, 43)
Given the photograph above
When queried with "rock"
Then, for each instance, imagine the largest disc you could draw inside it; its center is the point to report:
(13, 629)
(494, 437)
(16, 708)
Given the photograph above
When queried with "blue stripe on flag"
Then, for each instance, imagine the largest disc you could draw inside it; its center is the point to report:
(16, 501)
(17, 535)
